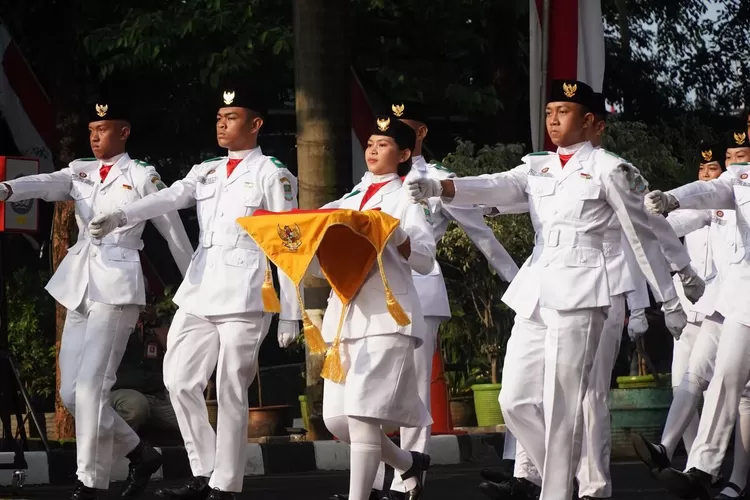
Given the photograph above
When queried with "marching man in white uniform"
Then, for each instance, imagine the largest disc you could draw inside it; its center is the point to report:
(100, 283)
(561, 293)
(707, 235)
(433, 295)
(732, 365)
(220, 321)
(381, 387)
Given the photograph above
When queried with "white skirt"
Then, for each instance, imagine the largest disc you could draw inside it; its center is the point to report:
(381, 382)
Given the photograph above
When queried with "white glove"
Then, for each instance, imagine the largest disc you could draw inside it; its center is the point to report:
(399, 236)
(637, 324)
(287, 332)
(674, 317)
(101, 225)
(692, 284)
(659, 202)
(423, 188)
(4, 192)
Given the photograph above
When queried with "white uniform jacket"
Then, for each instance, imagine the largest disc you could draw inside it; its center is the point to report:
(368, 314)
(110, 268)
(572, 206)
(227, 270)
(716, 229)
(730, 191)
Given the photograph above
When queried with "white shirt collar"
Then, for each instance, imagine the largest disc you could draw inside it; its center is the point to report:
(241, 154)
(113, 160)
(571, 149)
(377, 179)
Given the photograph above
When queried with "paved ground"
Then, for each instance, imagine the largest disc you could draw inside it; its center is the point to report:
(632, 482)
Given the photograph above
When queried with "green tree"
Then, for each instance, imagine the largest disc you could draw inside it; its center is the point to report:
(30, 310)
(481, 322)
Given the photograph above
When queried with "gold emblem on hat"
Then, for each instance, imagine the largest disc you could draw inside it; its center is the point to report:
(740, 138)
(398, 109)
(570, 90)
(228, 97)
(383, 124)
(101, 110)
(707, 155)
(291, 238)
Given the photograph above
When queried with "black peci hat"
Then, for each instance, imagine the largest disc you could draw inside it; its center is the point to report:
(107, 106)
(737, 138)
(236, 92)
(390, 126)
(409, 110)
(599, 105)
(571, 91)
(710, 153)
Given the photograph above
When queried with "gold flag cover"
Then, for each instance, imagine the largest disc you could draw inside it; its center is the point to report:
(347, 244)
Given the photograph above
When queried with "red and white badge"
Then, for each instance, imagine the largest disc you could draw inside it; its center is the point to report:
(719, 213)
(743, 176)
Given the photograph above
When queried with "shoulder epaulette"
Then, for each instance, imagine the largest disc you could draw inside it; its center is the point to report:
(742, 163)
(540, 153)
(440, 166)
(213, 159)
(277, 162)
(610, 153)
(85, 159)
(142, 163)
(355, 192)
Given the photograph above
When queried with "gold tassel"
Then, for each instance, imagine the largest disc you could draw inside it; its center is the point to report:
(333, 370)
(313, 337)
(271, 302)
(397, 312)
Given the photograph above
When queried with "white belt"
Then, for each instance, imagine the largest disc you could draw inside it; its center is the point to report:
(566, 238)
(209, 239)
(129, 243)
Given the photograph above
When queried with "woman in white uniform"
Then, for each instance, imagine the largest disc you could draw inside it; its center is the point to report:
(377, 354)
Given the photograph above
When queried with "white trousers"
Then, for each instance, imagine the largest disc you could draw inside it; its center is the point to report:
(195, 346)
(593, 475)
(418, 438)
(545, 379)
(722, 398)
(93, 342)
(683, 411)
(681, 351)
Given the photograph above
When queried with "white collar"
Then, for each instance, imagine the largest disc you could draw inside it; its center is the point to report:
(113, 160)
(571, 149)
(235, 155)
(377, 179)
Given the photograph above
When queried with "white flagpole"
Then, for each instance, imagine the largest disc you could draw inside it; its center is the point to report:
(543, 84)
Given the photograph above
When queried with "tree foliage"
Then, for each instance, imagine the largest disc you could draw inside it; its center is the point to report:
(481, 322)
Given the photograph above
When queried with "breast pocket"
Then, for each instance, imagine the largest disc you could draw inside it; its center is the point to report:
(583, 195)
(81, 190)
(540, 190)
(205, 191)
(253, 201)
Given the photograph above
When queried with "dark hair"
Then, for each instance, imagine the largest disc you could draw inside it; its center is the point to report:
(404, 167)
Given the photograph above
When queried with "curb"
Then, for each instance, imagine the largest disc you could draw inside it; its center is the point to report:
(59, 466)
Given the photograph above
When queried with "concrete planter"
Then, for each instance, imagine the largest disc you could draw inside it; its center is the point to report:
(637, 406)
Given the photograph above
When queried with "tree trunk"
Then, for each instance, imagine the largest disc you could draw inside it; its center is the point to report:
(493, 367)
(622, 14)
(322, 96)
(63, 223)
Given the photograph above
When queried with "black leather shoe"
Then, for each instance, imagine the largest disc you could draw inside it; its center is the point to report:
(514, 489)
(374, 495)
(741, 494)
(84, 492)
(217, 494)
(691, 485)
(196, 489)
(496, 476)
(420, 464)
(653, 455)
(144, 462)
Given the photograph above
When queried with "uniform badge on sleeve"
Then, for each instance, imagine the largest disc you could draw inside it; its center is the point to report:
(287, 185)
(158, 183)
(427, 211)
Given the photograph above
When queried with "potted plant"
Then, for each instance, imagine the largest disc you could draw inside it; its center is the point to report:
(481, 323)
(461, 399)
(266, 420)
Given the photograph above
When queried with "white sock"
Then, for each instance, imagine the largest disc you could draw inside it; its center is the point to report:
(365, 457)
(741, 449)
(682, 411)
(399, 459)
